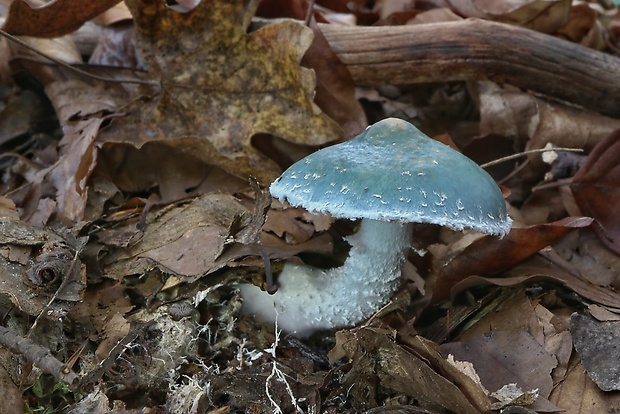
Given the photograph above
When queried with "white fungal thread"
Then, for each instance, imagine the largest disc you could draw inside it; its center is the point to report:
(423, 193)
(407, 172)
(459, 205)
(377, 195)
(344, 189)
(420, 174)
(435, 162)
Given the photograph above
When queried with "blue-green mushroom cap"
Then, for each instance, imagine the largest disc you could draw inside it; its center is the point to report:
(393, 172)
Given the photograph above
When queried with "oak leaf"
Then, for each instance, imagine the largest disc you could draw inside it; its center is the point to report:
(221, 86)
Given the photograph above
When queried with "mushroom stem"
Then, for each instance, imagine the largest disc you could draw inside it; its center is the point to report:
(309, 299)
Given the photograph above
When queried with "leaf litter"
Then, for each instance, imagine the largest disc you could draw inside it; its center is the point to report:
(128, 219)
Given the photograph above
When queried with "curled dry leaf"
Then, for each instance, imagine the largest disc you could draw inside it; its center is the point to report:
(489, 255)
(53, 270)
(513, 113)
(185, 240)
(81, 110)
(540, 15)
(54, 19)
(596, 188)
(583, 27)
(539, 269)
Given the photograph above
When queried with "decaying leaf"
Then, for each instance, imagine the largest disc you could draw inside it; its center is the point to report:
(52, 279)
(379, 364)
(596, 188)
(503, 350)
(539, 269)
(221, 85)
(183, 241)
(511, 394)
(55, 18)
(578, 394)
(509, 112)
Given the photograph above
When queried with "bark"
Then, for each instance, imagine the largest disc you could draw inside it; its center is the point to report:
(476, 49)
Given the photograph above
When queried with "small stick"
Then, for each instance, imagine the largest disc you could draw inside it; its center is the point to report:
(309, 12)
(41, 357)
(524, 153)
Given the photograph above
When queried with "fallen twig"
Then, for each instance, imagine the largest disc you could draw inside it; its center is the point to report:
(474, 49)
(41, 357)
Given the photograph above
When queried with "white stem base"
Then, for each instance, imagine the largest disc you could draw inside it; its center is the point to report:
(309, 299)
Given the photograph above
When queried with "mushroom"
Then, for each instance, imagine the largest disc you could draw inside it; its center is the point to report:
(389, 176)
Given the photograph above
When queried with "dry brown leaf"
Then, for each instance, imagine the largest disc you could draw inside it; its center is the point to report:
(538, 269)
(603, 314)
(540, 15)
(578, 394)
(223, 86)
(115, 14)
(54, 19)
(8, 208)
(99, 306)
(596, 188)
(587, 256)
(335, 91)
(185, 240)
(80, 109)
(20, 113)
(504, 357)
(490, 255)
(516, 114)
(116, 328)
(116, 47)
(583, 27)
(441, 14)
(289, 224)
(185, 168)
(415, 369)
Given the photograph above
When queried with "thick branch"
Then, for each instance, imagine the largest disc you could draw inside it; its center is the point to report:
(475, 49)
